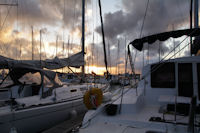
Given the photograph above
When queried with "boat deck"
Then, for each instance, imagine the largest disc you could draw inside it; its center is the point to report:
(66, 126)
(139, 122)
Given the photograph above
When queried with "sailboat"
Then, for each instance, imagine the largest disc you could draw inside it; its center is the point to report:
(166, 99)
(35, 99)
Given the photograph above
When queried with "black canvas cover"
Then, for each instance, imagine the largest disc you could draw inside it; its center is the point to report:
(138, 43)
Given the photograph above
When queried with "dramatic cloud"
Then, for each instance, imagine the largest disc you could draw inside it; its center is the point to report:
(49, 16)
(162, 15)
(52, 16)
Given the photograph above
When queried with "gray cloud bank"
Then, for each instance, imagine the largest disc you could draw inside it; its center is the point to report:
(162, 15)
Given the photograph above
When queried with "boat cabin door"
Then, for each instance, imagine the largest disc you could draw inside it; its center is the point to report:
(185, 79)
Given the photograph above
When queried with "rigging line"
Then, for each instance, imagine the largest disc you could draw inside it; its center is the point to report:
(68, 46)
(117, 58)
(109, 57)
(93, 15)
(180, 50)
(131, 63)
(150, 72)
(9, 9)
(44, 48)
(75, 2)
(73, 26)
(179, 8)
(18, 32)
(162, 60)
(93, 50)
(17, 14)
(174, 48)
(104, 45)
(142, 29)
(160, 64)
(126, 57)
(159, 49)
(63, 27)
(96, 23)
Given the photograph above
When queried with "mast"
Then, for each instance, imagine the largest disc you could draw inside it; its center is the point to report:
(196, 18)
(68, 46)
(117, 65)
(32, 44)
(196, 46)
(83, 33)
(191, 3)
(40, 47)
(56, 45)
(103, 37)
(109, 57)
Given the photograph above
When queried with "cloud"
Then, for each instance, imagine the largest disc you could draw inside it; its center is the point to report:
(124, 23)
(161, 16)
(45, 12)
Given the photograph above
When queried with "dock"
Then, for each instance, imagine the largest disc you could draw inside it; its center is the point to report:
(66, 126)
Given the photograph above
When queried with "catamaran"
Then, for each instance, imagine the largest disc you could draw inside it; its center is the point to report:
(165, 100)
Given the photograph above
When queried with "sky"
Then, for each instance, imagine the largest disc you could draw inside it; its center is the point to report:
(60, 21)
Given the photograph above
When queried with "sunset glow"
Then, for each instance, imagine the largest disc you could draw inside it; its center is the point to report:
(65, 21)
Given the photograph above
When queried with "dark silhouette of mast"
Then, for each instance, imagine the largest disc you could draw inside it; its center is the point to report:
(32, 43)
(83, 34)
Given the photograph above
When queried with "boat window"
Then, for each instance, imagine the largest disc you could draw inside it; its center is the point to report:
(185, 80)
(163, 75)
(198, 73)
(31, 78)
(47, 82)
(6, 82)
(57, 81)
(70, 76)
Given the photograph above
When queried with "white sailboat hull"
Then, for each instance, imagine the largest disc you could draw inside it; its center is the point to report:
(37, 119)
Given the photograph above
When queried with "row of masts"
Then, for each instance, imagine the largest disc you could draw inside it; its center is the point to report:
(83, 29)
(83, 37)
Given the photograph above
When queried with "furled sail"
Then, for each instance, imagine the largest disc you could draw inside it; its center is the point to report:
(138, 43)
(75, 60)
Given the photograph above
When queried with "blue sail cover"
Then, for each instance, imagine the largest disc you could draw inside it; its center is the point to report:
(138, 43)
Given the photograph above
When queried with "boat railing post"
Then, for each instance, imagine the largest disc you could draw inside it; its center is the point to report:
(42, 84)
(175, 109)
(145, 82)
(192, 115)
(121, 99)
